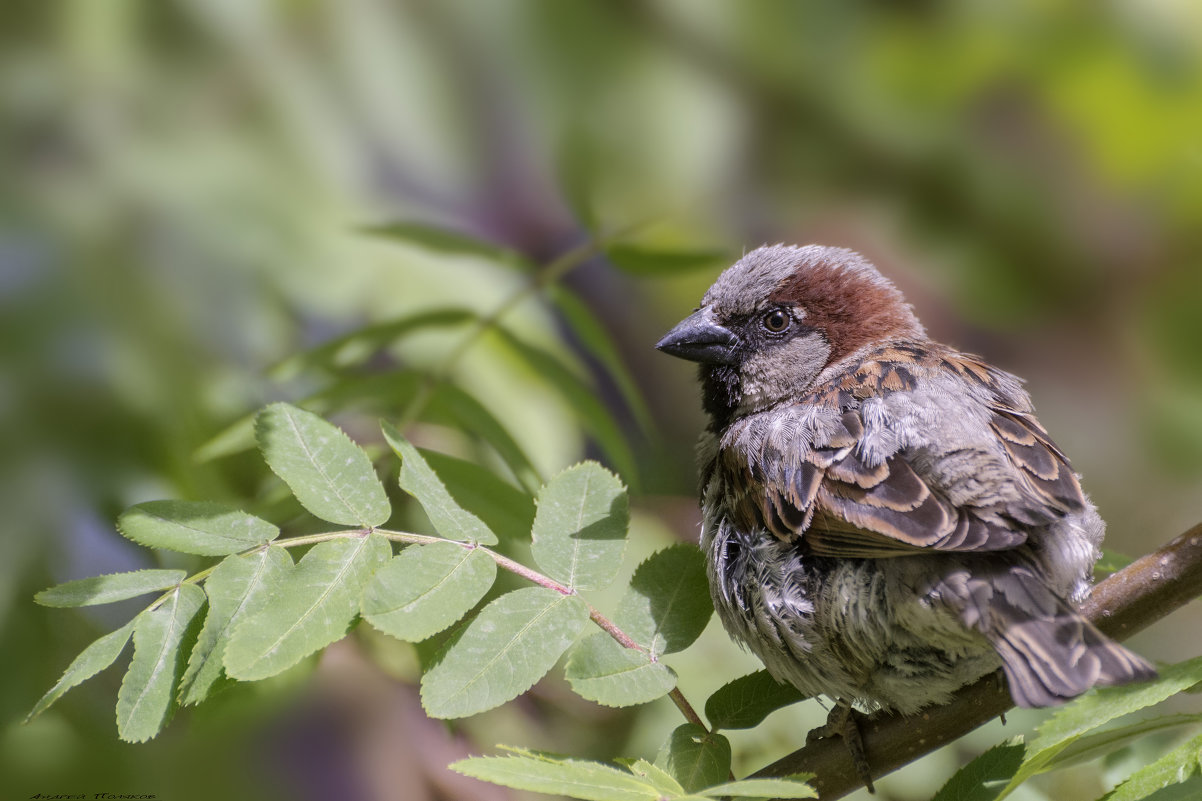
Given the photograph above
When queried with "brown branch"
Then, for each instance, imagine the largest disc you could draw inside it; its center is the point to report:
(1126, 602)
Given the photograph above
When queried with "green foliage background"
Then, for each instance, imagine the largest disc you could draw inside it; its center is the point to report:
(187, 197)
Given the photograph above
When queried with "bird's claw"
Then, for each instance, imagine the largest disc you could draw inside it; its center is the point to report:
(843, 721)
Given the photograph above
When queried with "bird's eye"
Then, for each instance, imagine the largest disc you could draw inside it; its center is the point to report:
(775, 321)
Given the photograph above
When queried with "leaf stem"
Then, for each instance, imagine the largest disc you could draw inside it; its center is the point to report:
(622, 637)
(606, 625)
(687, 710)
(517, 568)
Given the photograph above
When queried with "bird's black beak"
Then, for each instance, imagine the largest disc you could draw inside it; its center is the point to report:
(699, 338)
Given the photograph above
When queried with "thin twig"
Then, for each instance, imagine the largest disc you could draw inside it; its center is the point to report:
(687, 710)
(1128, 601)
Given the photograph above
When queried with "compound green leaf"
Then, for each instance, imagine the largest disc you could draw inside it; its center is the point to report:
(328, 473)
(239, 586)
(312, 607)
(654, 775)
(109, 588)
(1097, 708)
(762, 788)
(199, 527)
(1097, 744)
(667, 605)
(574, 778)
(501, 653)
(984, 777)
(696, 758)
(144, 701)
(579, 532)
(746, 701)
(504, 508)
(93, 659)
(450, 519)
(1182, 764)
(427, 588)
(602, 671)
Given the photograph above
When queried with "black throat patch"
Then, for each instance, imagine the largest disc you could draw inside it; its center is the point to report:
(721, 393)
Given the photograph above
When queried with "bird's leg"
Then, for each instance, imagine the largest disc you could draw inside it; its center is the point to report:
(843, 722)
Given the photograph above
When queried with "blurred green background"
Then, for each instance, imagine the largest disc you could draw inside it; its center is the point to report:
(184, 190)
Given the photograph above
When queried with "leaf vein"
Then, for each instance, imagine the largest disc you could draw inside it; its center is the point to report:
(509, 645)
(320, 600)
(318, 466)
(160, 658)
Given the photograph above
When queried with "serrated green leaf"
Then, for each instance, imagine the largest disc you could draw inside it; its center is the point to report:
(329, 474)
(109, 588)
(500, 654)
(199, 527)
(595, 338)
(695, 758)
(582, 398)
(469, 415)
(1097, 744)
(238, 587)
(986, 776)
(602, 671)
(668, 604)
(647, 261)
(312, 607)
(762, 788)
(574, 778)
(579, 532)
(1097, 708)
(93, 659)
(746, 701)
(504, 508)
(447, 242)
(426, 589)
(654, 775)
(450, 519)
(1178, 766)
(145, 700)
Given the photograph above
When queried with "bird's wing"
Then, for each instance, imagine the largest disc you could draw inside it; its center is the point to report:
(844, 505)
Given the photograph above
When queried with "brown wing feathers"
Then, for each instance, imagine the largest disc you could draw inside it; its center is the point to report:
(1040, 462)
(846, 507)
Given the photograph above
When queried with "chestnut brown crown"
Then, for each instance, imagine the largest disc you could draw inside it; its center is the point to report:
(773, 321)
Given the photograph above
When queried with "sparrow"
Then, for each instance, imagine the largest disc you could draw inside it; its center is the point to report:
(884, 518)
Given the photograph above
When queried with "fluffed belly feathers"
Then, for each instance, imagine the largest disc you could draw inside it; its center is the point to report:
(875, 632)
(860, 629)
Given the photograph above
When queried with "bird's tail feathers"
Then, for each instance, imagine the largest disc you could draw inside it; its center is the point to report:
(1050, 653)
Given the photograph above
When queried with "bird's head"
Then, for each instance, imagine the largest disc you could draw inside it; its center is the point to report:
(771, 323)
